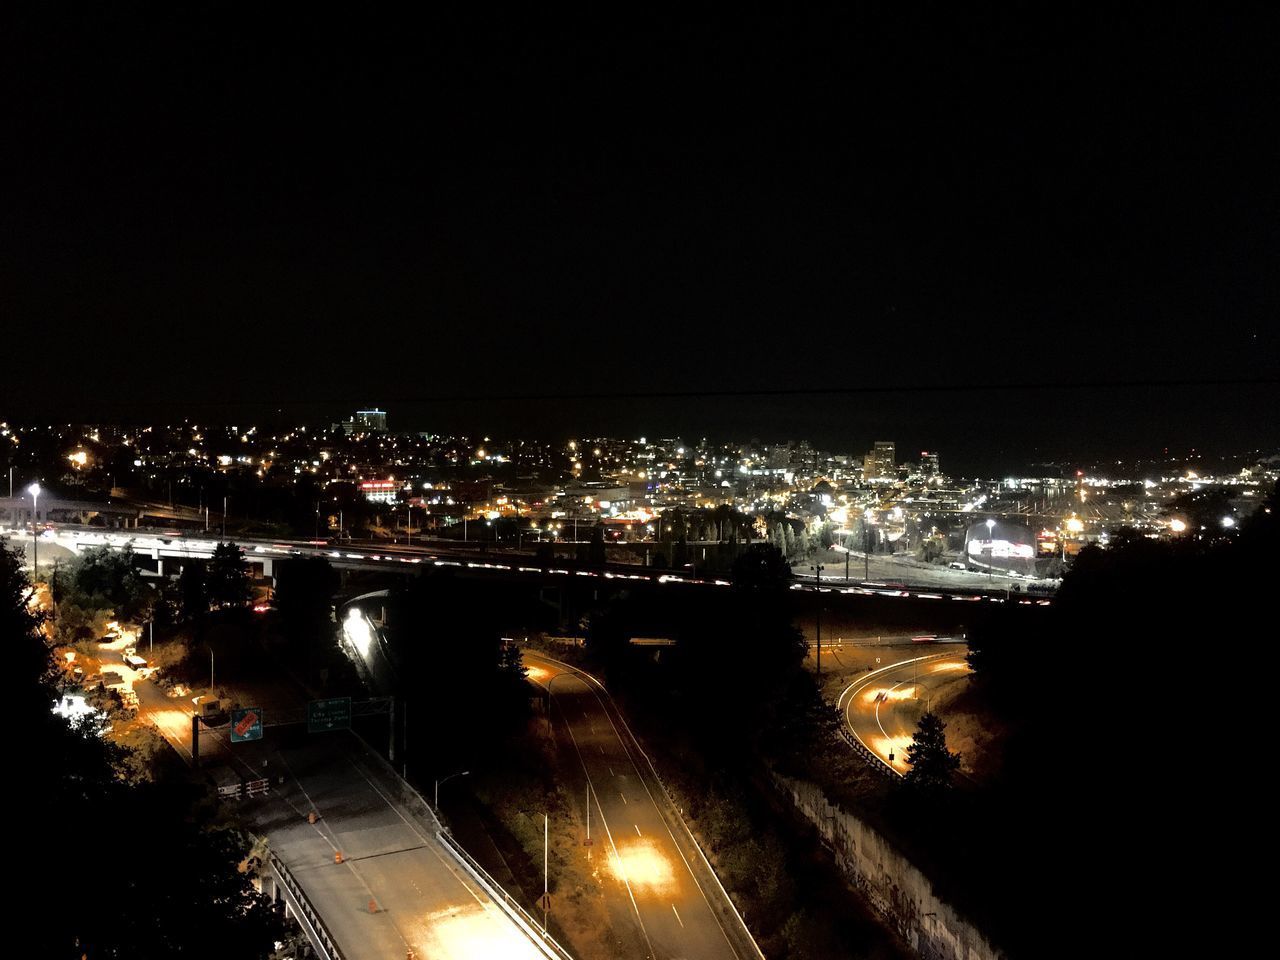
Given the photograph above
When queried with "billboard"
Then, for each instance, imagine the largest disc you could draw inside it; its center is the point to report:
(1001, 545)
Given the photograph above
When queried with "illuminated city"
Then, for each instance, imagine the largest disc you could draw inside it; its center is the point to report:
(520, 483)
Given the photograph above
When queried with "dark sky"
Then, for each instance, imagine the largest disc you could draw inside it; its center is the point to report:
(220, 212)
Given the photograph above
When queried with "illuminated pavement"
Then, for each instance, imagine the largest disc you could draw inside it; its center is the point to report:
(880, 709)
(397, 888)
(664, 882)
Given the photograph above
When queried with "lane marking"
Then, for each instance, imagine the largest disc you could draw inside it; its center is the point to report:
(582, 678)
(677, 913)
(626, 881)
(638, 833)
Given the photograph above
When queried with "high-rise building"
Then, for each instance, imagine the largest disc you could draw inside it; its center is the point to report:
(364, 421)
(880, 463)
(372, 420)
(929, 465)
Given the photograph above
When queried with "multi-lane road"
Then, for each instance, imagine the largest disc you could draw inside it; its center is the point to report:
(372, 863)
(905, 582)
(880, 709)
(667, 886)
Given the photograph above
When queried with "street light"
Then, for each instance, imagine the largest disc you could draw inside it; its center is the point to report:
(991, 547)
(460, 773)
(34, 490)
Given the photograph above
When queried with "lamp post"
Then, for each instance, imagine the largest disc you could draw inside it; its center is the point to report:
(817, 577)
(991, 547)
(460, 773)
(34, 490)
(211, 690)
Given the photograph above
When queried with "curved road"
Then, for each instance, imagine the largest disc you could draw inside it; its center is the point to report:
(678, 905)
(881, 708)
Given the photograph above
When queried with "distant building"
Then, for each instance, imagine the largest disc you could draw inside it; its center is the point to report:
(929, 465)
(364, 421)
(380, 491)
(880, 462)
(372, 420)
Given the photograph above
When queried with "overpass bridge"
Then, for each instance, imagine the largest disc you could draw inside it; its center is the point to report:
(393, 559)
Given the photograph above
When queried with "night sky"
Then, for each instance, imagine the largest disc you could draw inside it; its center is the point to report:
(228, 214)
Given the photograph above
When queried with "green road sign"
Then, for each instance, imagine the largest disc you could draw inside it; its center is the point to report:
(246, 725)
(333, 714)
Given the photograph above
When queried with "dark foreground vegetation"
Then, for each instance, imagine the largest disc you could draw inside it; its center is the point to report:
(122, 866)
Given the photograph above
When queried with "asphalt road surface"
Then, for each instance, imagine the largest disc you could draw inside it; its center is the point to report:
(667, 886)
(396, 889)
(881, 708)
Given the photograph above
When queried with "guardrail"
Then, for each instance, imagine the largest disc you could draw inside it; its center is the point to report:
(521, 916)
(877, 763)
(674, 810)
(311, 921)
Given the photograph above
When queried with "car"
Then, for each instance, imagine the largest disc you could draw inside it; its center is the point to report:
(956, 565)
(925, 638)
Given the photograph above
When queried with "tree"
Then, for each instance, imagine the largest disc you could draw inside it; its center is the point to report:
(932, 764)
(71, 775)
(193, 592)
(228, 576)
(596, 554)
(761, 566)
(96, 584)
(304, 596)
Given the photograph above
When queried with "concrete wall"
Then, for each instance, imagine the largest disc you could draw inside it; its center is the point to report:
(901, 894)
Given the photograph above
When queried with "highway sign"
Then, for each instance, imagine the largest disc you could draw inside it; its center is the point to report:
(332, 714)
(246, 725)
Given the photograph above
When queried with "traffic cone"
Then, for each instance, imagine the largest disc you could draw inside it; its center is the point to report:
(373, 905)
(337, 856)
(311, 817)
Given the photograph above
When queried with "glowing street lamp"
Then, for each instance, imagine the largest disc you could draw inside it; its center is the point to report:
(1177, 526)
(34, 490)
(460, 773)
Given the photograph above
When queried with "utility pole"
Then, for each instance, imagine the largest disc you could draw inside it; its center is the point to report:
(224, 518)
(817, 577)
(819, 643)
(546, 850)
(34, 490)
(409, 520)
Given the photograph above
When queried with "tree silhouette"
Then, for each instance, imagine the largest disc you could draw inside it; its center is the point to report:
(761, 566)
(228, 576)
(932, 764)
(71, 775)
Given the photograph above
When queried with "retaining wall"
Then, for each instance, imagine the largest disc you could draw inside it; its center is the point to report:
(895, 888)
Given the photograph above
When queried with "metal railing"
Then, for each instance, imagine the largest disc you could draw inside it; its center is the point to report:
(673, 811)
(531, 926)
(307, 915)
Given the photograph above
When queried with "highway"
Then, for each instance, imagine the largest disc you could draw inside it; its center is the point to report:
(880, 709)
(170, 544)
(659, 874)
(397, 888)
